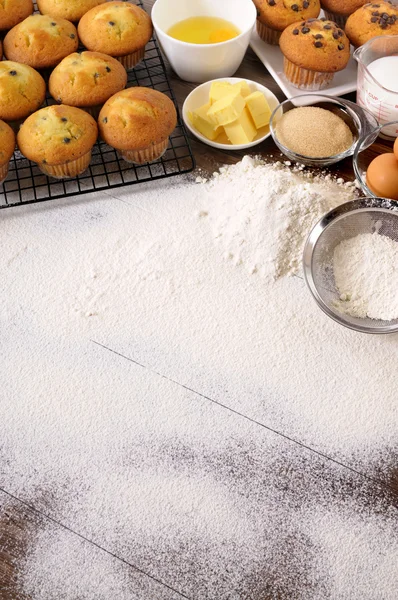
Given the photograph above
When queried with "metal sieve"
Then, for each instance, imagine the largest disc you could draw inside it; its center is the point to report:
(365, 215)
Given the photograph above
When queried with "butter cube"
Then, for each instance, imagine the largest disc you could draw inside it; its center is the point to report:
(259, 109)
(222, 138)
(218, 89)
(242, 130)
(227, 109)
(243, 88)
(201, 122)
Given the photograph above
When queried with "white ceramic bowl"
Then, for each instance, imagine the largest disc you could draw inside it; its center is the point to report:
(201, 62)
(200, 96)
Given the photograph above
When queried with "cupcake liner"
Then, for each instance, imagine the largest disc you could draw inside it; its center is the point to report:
(69, 169)
(4, 171)
(140, 157)
(271, 36)
(340, 20)
(304, 79)
(131, 60)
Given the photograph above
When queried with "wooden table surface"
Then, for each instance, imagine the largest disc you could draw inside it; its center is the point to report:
(20, 522)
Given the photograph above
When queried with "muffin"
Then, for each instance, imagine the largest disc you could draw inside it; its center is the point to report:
(339, 10)
(59, 139)
(120, 29)
(273, 16)
(138, 122)
(313, 51)
(41, 41)
(87, 79)
(22, 90)
(7, 147)
(13, 12)
(378, 18)
(73, 10)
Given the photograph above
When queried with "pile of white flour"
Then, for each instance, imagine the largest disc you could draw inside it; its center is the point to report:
(366, 274)
(261, 214)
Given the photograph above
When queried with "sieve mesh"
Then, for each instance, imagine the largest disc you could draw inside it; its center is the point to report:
(319, 262)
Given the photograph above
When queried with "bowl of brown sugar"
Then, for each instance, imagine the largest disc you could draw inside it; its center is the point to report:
(319, 130)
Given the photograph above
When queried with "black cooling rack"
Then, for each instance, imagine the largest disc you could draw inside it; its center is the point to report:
(26, 184)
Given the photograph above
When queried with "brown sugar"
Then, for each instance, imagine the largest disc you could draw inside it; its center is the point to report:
(313, 132)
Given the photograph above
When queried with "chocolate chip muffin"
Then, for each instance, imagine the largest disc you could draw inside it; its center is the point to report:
(72, 10)
(41, 41)
(13, 12)
(371, 20)
(87, 79)
(7, 147)
(273, 16)
(59, 139)
(313, 51)
(138, 122)
(22, 90)
(339, 10)
(120, 29)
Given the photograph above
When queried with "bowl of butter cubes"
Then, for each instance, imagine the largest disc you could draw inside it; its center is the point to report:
(230, 113)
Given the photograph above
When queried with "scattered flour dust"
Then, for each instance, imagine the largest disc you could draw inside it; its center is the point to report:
(365, 269)
(261, 214)
(160, 476)
(341, 534)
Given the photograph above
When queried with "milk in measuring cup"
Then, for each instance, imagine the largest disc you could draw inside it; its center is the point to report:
(385, 71)
(381, 102)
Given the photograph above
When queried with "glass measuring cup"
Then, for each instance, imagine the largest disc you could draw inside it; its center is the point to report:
(377, 82)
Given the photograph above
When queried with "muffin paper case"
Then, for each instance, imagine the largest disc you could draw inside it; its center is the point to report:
(314, 50)
(273, 16)
(129, 61)
(271, 36)
(139, 157)
(59, 139)
(137, 122)
(340, 20)
(69, 169)
(304, 79)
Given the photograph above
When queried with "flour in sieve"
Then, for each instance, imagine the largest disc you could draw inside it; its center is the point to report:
(261, 214)
(366, 273)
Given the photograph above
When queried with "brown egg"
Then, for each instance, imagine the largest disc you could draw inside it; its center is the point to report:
(382, 176)
(396, 148)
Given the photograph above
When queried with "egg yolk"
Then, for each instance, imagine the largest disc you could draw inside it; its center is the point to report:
(382, 176)
(396, 148)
